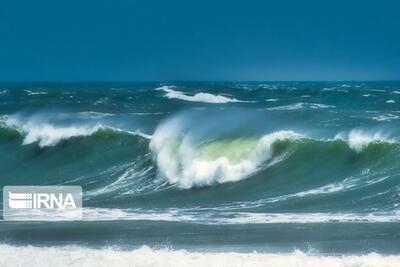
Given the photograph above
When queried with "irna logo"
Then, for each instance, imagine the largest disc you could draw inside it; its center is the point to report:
(42, 202)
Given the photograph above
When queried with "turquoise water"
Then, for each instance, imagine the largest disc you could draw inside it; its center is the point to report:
(271, 166)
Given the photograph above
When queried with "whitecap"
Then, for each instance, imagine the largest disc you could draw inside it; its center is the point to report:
(301, 106)
(48, 134)
(35, 92)
(198, 97)
(358, 140)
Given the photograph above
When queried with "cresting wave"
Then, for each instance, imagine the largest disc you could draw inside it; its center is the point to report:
(48, 134)
(198, 97)
(359, 140)
(146, 256)
(213, 162)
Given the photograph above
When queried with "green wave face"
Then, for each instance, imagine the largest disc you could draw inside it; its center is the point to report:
(235, 150)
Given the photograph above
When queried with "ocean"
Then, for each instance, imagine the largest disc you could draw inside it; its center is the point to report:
(206, 173)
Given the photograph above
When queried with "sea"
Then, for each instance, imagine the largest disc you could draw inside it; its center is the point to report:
(206, 173)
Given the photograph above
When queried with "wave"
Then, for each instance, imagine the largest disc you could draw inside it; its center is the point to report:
(29, 92)
(385, 117)
(213, 162)
(334, 89)
(358, 140)
(146, 256)
(47, 134)
(301, 106)
(198, 97)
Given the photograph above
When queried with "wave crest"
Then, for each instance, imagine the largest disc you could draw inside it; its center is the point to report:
(49, 134)
(213, 162)
(199, 97)
(359, 140)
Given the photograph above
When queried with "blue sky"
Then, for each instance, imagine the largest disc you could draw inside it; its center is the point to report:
(129, 40)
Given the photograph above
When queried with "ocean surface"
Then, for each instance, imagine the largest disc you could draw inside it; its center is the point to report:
(207, 174)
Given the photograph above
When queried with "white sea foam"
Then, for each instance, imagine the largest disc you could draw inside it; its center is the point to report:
(327, 89)
(219, 161)
(377, 90)
(92, 115)
(391, 101)
(334, 89)
(35, 92)
(198, 97)
(385, 117)
(358, 140)
(218, 216)
(301, 106)
(148, 257)
(48, 134)
(342, 186)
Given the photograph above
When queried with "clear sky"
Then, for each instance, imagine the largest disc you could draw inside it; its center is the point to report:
(131, 40)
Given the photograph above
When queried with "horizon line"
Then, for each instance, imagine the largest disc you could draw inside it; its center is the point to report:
(182, 81)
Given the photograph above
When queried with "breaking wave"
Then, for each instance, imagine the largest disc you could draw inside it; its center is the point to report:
(146, 256)
(359, 140)
(198, 97)
(45, 133)
(215, 161)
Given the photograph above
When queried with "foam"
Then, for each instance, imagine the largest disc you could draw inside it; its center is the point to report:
(48, 134)
(386, 117)
(218, 216)
(199, 97)
(146, 256)
(358, 140)
(35, 92)
(301, 106)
